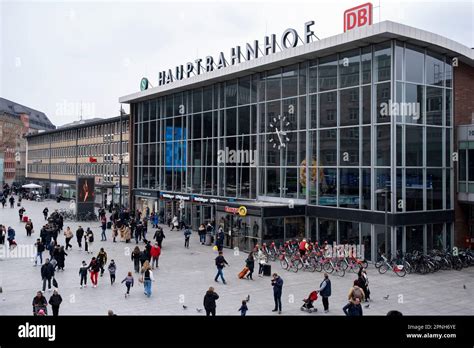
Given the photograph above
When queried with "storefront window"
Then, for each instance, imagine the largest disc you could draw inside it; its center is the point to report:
(414, 238)
(327, 231)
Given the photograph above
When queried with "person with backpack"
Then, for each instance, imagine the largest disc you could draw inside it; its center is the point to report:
(112, 269)
(47, 273)
(102, 259)
(147, 278)
(29, 228)
(79, 236)
(89, 240)
(187, 235)
(39, 251)
(209, 302)
(55, 301)
(83, 273)
(325, 291)
(94, 268)
(128, 283)
(356, 292)
(277, 284)
(220, 264)
(45, 213)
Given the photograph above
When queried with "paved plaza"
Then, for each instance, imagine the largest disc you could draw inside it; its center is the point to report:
(184, 276)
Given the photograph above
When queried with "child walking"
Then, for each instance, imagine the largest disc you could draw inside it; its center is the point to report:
(128, 283)
(243, 309)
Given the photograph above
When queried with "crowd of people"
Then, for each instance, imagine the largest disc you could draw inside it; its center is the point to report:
(129, 227)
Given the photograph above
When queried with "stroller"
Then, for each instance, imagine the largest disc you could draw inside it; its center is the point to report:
(308, 302)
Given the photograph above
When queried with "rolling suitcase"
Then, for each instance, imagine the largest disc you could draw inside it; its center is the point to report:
(109, 225)
(267, 270)
(243, 272)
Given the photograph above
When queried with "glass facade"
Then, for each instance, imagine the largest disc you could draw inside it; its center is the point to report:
(328, 132)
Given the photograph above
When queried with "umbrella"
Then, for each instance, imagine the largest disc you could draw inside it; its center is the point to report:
(30, 186)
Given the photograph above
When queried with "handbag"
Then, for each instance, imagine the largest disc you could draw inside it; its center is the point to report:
(55, 283)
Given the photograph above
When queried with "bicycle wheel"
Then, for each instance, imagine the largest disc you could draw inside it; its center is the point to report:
(328, 267)
(340, 271)
(401, 272)
(318, 266)
(407, 267)
(383, 268)
(299, 264)
(284, 264)
(272, 256)
(355, 268)
(364, 264)
(344, 264)
(378, 264)
(294, 266)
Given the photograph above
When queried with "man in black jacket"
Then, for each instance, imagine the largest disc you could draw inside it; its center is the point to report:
(277, 284)
(47, 273)
(79, 236)
(55, 301)
(210, 302)
(220, 264)
(159, 235)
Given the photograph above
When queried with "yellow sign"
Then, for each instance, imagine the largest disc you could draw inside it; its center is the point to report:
(242, 211)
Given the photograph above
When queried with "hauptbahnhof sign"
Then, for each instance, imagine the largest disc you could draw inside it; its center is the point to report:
(288, 39)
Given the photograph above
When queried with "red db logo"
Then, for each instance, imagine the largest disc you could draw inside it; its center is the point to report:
(358, 16)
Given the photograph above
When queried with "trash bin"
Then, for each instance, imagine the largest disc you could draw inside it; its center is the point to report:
(208, 239)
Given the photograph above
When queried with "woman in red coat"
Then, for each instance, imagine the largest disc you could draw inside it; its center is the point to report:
(155, 253)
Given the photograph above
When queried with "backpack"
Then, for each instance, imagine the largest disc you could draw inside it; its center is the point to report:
(91, 237)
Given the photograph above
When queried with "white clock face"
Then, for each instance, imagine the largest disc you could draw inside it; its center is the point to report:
(278, 126)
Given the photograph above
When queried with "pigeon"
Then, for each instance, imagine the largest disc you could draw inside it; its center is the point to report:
(248, 298)
(386, 297)
(464, 286)
(367, 305)
(199, 310)
(185, 307)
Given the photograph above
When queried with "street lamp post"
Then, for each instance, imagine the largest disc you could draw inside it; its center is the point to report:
(121, 158)
(385, 192)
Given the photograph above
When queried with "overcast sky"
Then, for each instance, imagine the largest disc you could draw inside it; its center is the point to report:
(53, 55)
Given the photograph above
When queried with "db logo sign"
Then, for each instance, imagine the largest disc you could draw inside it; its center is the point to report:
(358, 16)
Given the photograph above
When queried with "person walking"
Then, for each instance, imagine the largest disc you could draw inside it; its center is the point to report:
(29, 228)
(147, 278)
(47, 273)
(112, 269)
(12, 202)
(103, 237)
(102, 259)
(61, 258)
(325, 291)
(159, 236)
(94, 268)
(39, 304)
(187, 235)
(356, 292)
(136, 259)
(39, 251)
(21, 211)
(202, 234)
(79, 236)
(11, 237)
(363, 282)
(210, 302)
(45, 213)
(220, 239)
(250, 264)
(243, 309)
(220, 264)
(83, 273)
(277, 284)
(68, 235)
(55, 301)
(155, 253)
(89, 240)
(175, 223)
(128, 283)
(353, 309)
